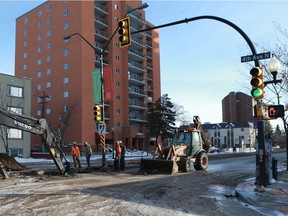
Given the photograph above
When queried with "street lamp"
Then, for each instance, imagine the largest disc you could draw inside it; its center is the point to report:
(273, 66)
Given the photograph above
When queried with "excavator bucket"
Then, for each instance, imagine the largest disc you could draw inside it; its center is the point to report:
(152, 166)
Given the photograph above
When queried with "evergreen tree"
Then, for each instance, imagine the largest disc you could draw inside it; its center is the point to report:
(161, 118)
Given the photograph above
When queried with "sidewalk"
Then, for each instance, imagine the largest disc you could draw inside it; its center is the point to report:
(273, 197)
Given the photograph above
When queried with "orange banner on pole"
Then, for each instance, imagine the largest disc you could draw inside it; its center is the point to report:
(108, 89)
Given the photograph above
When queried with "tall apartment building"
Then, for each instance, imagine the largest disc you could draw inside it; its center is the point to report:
(237, 107)
(61, 70)
(15, 96)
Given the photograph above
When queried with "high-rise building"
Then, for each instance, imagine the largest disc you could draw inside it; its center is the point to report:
(61, 70)
(237, 107)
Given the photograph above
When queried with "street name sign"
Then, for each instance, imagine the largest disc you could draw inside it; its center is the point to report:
(259, 56)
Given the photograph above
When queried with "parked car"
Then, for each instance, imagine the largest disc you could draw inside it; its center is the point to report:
(214, 149)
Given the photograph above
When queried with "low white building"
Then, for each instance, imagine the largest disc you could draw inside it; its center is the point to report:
(228, 135)
(15, 95)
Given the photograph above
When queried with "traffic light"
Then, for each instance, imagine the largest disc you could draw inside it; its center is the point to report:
(124, 32)
(97, 113)
(257, 83)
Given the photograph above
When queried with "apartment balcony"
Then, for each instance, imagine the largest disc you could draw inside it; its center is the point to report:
(137, 105)
(149, 55)
(148, 44)
(138, 118)
(150, 100)
(100, 22)
(136, 55)
(135, 79)
(101, 36)
(149, 33)
(136, 28)
(150, 88)
(136, 67)
(149, 76)
(100, 9)
(136, 92)
(137, 44)
(149, 66)
(136, 17)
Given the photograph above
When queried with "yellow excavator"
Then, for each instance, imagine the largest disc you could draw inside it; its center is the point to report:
(189, 146)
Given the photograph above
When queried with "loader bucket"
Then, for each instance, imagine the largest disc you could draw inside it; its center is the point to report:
(153, 166)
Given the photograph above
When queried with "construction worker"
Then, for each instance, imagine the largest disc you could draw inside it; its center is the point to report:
(122, 159)
(118, 155)
(88, 153)
(75, 152)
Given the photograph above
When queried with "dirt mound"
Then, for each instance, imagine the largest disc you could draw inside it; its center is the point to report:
(10, 163)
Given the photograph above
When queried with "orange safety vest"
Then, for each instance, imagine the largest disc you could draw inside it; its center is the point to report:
(75, 151)
(118, 149)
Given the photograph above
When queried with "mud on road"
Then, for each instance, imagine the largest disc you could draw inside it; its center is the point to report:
(120, 193)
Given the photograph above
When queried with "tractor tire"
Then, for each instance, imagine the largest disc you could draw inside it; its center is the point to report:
(185, 165)
(201, 162)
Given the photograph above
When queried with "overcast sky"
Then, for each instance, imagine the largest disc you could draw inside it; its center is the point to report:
(200, 60)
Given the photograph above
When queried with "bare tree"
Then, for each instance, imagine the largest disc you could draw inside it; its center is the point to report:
(67, 114)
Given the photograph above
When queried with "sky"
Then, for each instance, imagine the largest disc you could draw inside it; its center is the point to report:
(200, 60)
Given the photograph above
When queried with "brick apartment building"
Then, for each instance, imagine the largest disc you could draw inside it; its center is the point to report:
(237, 107)
(61, 70)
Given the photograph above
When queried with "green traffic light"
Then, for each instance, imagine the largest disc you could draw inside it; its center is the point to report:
(256, 93)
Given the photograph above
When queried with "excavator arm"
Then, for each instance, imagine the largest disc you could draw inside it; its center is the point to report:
(40, 127)
(198, 126)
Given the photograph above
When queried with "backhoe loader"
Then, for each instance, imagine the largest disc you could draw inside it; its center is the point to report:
(189, 146)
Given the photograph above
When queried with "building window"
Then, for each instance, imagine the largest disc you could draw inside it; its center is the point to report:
(25, 43)
(39, 13)
(39, 49)
(48, 58)
(39, 62)
(118, 84)
(25, 20)
(48, 111)
(66, 12)
(48, 84)
(116, 7)
(118, 110)
(38, 112)
(118, 97)
(117, 70)
(66, 25)
(39, 37)
(48, 34)
(15, 91)
(48, 20)
(39, 25)
(39, 87)
(65, 108)
(25, 31)
(117, 57)
(16, 110)
(65, 80)
(48, 71)
(65, 94)
(25, 67)
(48, 46)
(39, 74)
(65, 66)
(14, 133)
(118, 124)
(49, 8)
(65, 52)
(25, 55)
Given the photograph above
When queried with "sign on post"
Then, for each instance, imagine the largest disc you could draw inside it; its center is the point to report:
(259, 56)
